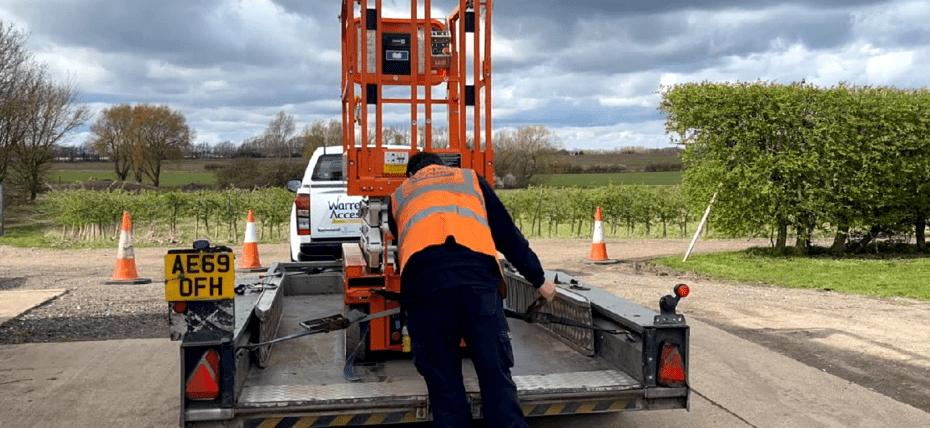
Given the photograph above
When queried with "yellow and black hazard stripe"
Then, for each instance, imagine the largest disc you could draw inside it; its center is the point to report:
(358, 419)
(597, 406)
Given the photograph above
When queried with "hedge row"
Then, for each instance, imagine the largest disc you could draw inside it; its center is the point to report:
(798, 158)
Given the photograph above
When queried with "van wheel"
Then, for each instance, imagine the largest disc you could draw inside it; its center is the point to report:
(353, 334)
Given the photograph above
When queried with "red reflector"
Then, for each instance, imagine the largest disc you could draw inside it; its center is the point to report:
(395, 336)
(179, 307)
(302, 202)
(203, 383)
(671, 368)
(302, 207)
(682, 290)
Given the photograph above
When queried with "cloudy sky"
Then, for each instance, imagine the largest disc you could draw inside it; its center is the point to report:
(586, 69)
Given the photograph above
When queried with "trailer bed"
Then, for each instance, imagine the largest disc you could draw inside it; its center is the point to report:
(559, 369)
(309, 370)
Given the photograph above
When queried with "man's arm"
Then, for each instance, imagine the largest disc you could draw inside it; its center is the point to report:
(510, 241)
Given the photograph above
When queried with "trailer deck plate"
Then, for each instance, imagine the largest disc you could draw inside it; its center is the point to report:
(412, 391)
(544, 369)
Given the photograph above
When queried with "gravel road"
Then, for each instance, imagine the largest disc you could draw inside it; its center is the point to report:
(877, 343)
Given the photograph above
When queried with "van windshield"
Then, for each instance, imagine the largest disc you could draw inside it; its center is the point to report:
(328, 168)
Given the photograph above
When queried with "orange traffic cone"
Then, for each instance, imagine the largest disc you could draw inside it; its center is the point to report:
(598, 247)
(125, 272)
(249, 261)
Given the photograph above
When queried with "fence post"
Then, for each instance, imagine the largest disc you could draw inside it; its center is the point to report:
(700, 227)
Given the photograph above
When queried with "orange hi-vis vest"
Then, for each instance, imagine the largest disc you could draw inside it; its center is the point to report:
(439, 202)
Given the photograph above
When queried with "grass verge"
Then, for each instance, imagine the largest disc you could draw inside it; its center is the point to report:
(899, 275)
(24, 226)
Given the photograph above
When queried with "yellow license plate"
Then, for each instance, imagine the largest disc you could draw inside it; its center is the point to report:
(200, 276)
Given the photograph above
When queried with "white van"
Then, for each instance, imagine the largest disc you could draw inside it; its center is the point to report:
(323, 216)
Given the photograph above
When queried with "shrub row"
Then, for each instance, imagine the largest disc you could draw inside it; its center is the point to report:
(168, 215)
(541, 211)
(635, 210)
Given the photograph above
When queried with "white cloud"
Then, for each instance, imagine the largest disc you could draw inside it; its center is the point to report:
(885, 69)
(77, 64)
(640, 101)
(162, 70)
(668, 79)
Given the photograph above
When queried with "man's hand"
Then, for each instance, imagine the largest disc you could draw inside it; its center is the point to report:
(547, 290)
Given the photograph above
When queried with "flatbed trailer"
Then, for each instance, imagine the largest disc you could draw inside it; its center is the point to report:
(586, 351)
(302, 382)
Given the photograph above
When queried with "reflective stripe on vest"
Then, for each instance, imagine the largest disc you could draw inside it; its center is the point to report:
(422, 208)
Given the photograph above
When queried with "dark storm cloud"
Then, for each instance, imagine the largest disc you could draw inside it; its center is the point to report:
(570, 10)
(676, 42)
(139, 26)
(186, 32)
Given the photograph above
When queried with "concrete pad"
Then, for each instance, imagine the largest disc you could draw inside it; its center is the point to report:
(762, 388)
(15, 302)
(736, 383)
(133, 382)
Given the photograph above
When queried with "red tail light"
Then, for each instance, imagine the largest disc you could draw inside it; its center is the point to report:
(179, 307)
(302, 206)
(671, 367)
(204, 381)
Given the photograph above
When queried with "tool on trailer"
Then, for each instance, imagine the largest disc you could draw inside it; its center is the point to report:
(534, 308)
(340, 322)
(328, 324)
(533, 315)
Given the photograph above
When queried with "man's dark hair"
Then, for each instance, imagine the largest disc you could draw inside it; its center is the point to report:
(422, 160)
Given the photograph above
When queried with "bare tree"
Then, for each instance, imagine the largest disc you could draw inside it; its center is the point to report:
(225, 149)
(395, 135)
(524, 153)
(279, 133)
(16, 72)
(163, 134)
(53, 113)
(200, 150)
(319, 134)
(254, 147)
(113, 137)
(89, 152)
(139, 138)
(439, 135)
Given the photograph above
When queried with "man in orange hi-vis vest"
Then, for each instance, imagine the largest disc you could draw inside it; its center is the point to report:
(450, 225)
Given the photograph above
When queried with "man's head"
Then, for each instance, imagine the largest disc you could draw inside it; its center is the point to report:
(422, 160)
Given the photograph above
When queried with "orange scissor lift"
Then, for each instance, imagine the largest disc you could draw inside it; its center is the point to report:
(430, 79)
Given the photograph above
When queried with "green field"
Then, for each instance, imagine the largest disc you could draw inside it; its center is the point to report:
(634, 159)
(168, 179)
(903, 276)
(594, 180)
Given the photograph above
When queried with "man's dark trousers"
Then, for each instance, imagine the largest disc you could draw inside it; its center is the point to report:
(437, 323)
